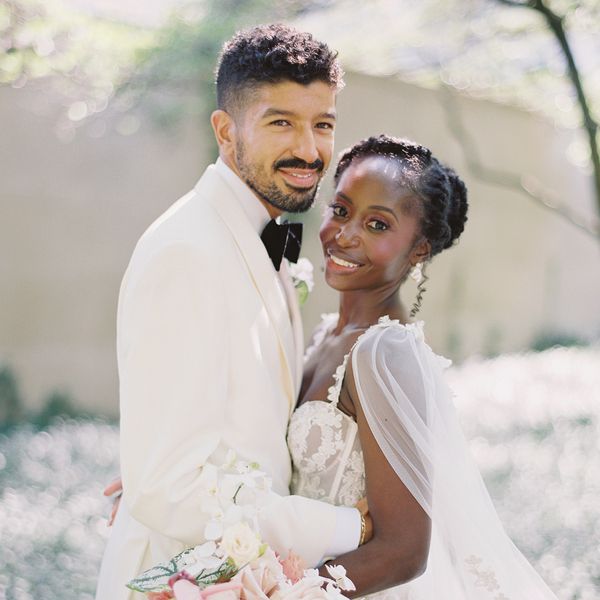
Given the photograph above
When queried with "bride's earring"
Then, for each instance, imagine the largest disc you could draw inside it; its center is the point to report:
(419, 275)
(417, 272)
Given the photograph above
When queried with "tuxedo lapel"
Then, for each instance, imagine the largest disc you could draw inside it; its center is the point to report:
(292, 296)
(215, 190)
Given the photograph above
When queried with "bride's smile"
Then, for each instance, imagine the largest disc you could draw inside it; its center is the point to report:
(371, 229)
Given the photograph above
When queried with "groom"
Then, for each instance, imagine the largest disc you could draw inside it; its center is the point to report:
(209, 335)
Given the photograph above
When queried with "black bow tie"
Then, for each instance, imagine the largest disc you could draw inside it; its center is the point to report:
(282, 240)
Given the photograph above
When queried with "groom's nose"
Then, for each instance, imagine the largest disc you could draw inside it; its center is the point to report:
(305, 145)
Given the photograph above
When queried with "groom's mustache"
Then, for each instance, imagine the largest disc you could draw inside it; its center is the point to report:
(297, 163)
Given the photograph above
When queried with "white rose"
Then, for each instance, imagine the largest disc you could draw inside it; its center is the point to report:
(241, 544)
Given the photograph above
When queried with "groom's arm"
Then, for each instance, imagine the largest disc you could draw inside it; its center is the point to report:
(173, 388)
(173, 367)
(315, 530)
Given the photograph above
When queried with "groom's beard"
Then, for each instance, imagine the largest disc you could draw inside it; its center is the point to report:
(293, 201)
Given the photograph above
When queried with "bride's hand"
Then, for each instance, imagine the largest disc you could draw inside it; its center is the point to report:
(363, 507)
(114, 487)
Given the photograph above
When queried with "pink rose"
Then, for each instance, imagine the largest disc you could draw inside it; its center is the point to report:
(251, 584)
(166, 595)
(186, 590)
(181, 575)
(222, 591)
(293, 567)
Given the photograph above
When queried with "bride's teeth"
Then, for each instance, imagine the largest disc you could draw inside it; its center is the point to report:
(342, 262)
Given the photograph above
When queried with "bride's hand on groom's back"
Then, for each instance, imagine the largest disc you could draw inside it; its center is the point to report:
(115, 488)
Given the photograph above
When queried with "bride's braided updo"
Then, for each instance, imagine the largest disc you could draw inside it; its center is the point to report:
(442, 194)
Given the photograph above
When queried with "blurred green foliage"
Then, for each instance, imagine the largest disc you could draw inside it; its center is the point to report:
(176, 73)
(553, 339)
(13, 411)
(11, 405)
(479, 47)
(76, 56)
(95, 64)
(58, 404)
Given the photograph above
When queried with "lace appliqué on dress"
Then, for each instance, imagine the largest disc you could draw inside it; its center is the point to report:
(485, 578)
(326, 454)
(315, 442)
(324, 446)
(352, 488)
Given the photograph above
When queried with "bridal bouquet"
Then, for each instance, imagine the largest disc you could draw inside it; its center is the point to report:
(234, 563)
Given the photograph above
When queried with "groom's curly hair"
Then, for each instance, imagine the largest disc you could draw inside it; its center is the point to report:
(272, 54)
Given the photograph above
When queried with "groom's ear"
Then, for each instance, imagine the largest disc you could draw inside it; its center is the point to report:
(225, 132)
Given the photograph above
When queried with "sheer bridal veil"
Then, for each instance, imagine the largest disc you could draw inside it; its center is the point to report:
(411, 414)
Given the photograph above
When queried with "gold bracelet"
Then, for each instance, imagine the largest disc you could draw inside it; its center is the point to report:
(363, 530)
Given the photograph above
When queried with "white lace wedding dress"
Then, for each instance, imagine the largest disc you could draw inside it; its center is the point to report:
(410, 412)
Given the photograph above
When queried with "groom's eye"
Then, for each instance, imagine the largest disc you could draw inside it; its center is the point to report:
(325, 125)
(280, 123)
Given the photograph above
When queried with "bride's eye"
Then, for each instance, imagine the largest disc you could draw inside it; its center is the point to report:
(377, 225)
(338, 210)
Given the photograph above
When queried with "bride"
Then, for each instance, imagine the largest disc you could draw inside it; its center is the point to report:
(375, 418)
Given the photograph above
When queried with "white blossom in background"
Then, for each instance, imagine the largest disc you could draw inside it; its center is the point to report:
(532, 421)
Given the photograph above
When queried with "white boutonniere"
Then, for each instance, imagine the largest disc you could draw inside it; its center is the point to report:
(302, 278)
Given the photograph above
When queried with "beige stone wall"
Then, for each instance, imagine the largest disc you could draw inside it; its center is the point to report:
(70, 214)
(519, 270)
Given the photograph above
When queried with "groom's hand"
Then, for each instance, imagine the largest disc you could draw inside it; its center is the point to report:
(114, 487)
(363, 507)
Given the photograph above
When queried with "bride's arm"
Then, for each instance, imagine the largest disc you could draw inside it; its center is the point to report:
(398, 550)
(401, 526)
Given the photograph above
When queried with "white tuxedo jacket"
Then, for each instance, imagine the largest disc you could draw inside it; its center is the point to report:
(202, 333)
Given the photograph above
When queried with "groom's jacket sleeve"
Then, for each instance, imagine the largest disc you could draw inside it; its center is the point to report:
(174, 373)
(173, 387)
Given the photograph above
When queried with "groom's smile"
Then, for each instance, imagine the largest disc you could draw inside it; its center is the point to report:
(282, 142)
(299, 174)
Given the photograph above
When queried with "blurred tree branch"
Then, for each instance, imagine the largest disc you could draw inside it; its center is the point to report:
(528, 185)
(180, 66)
(555, 23)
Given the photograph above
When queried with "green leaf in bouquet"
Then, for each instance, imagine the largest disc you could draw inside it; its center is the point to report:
(156, 579)
(221, 575)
